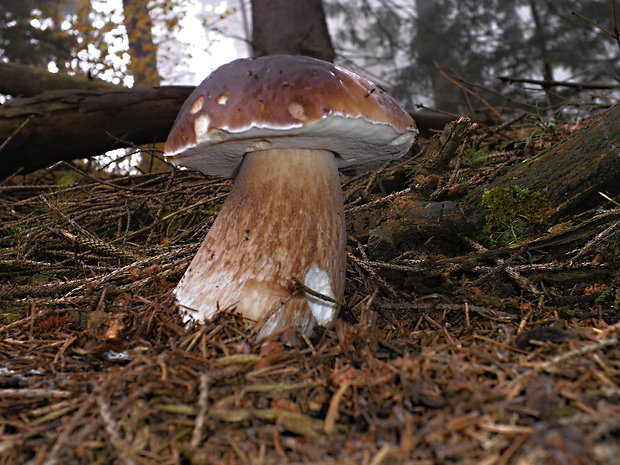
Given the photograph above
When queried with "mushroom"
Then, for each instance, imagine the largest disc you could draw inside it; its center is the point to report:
(283, 125)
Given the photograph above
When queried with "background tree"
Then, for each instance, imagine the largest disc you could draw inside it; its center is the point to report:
(142, 64)
(301, 29)
(416, 44)
(142, 49)
(30, 33)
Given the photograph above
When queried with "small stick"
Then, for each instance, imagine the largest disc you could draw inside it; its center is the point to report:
(299, 287)
(52, 457)
(614, 19)
(387, 198)
(467, 321)
(515, 386)
(606, 197)
(203, 398)
(545, 83)
(610, 231)
(33, 393)
(467, 90)
(14, 133)
(505, 124)
(111, 428)
(594, 23)
(332, 411)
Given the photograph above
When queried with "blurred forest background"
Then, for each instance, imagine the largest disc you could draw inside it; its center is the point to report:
(457, 56)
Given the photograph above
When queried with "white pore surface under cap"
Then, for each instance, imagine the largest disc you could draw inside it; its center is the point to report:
(318, 280)
(357, 143)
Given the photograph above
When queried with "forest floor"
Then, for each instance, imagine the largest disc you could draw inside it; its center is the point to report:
(496, 347)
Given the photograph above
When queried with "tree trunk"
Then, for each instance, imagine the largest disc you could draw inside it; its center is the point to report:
(143, 64)
(63, 125)
(143, 52)
(291, 28)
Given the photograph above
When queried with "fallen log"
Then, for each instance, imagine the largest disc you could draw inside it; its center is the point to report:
(571, 174)
(25, 81)
(64, 125)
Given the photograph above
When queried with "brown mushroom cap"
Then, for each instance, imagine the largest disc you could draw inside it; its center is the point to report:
(283, 101)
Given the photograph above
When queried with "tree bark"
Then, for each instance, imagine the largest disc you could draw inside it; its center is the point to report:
(26, 81)
(64, 125)
(143, 65)
(406, 223)
(571, 174)
(301, 28)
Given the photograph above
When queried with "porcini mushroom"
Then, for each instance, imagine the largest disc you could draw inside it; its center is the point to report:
(285, 124)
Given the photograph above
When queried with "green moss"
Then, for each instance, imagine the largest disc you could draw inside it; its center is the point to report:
(67, 179)
(474, 155)
(546, 130)
(13, 313)
(565, 411)
(568, 311)
(513, 212)
(215, 208)
(609, 296)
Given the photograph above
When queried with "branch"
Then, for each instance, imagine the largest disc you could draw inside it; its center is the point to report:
(545, 83)
(64, 125)
(26, 81)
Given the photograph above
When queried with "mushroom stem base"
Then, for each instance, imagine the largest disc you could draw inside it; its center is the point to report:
(283, 219)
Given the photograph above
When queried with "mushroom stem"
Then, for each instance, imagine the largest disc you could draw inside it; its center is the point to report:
(283, 219)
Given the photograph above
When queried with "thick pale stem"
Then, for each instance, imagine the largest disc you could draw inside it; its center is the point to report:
(283, 219)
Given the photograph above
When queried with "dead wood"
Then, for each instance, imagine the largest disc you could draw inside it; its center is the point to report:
(442, 150)
(571, 174)
(26, 81)
(405, 223)
(64, 125)
(429, 122)
(550, 83)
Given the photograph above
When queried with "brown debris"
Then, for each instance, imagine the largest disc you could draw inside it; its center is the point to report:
(452, 351)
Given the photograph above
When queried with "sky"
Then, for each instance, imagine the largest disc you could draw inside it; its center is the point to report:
(206, 47)
(188, 56)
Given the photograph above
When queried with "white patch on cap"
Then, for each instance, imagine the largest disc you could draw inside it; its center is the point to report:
(216, 135)
(201, 129)
(222, 99)
(297, 111)
(197, 105)
(318, 280)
